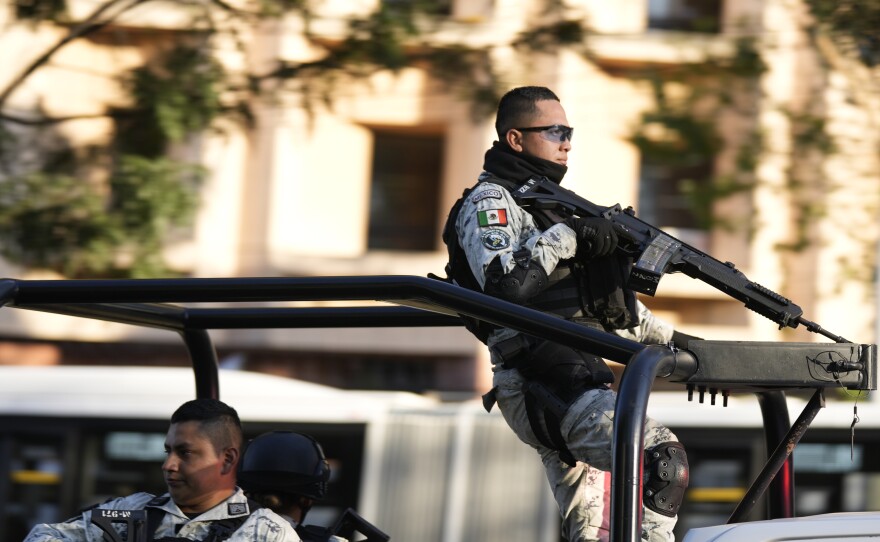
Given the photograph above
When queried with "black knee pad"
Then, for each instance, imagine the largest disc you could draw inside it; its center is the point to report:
(666, 477)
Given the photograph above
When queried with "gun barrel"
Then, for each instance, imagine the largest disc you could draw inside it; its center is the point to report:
(816, 328)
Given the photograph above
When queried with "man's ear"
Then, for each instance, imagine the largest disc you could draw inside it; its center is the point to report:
(230, 460)
(514, 138)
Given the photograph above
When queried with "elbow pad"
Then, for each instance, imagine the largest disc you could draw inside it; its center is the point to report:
(526, 280)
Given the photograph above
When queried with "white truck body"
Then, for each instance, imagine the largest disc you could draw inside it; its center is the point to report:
(848, 526)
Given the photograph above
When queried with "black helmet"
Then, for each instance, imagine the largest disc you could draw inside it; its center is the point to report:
(284, 462)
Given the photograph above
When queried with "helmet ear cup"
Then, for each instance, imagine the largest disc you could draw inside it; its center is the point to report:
(284, 462)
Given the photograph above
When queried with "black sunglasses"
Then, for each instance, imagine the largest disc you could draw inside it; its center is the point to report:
(556, 133)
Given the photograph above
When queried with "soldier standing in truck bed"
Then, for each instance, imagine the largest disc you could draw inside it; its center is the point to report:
(555, 398)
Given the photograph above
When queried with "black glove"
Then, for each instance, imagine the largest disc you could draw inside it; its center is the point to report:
(596, 236)
(681, 340)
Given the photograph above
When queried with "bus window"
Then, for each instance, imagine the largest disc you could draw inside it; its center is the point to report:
(119, 463)
(33, 485)
(721, 468)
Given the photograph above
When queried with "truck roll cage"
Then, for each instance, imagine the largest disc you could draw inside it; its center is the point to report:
(765, 369)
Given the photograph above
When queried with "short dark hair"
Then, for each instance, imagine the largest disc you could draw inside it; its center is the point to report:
(217, 419)
(518, 106)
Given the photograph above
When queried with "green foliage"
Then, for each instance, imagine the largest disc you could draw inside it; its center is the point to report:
(681, 139)
(150, 198)
(701, 195)
(746, 62)
(7, 145)
(810, 141)
(51, 218)
(550, 37)
(681, 135)
(809, 133)
(179, 97)
(157, 193)
(379, 40)
(83, 229)
(275, 8)
(39, 10)
(676, 140)
(854, 24)
(54, 222)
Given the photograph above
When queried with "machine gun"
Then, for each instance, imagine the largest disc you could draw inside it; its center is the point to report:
(656, 253)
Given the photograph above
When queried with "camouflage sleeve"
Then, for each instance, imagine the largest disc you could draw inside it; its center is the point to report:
(58, 532)
(263, 525)
(75, 529)
(80, 528)
(651, 329)
(491, 224)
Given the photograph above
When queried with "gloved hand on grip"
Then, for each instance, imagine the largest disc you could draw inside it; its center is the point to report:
(596, 236)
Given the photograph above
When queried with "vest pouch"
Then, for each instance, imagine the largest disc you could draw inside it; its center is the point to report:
(566, 371)
(609, 300)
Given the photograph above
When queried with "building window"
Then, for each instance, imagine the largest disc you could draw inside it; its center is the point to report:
(407, 169)
(685, 15)
(669, 196)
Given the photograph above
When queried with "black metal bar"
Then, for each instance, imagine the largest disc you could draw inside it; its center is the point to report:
(174, 317)
(628, 442)
(227, 289)
(8, 291)
(759, 366)
(780, 494)
(400, 289)
(156, 315)
(780, 455)
(319, 317)
(204, 361)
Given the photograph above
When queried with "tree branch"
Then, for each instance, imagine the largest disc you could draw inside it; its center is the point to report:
(46, 121)
(91, 24)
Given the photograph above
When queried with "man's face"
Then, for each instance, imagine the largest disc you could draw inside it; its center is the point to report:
(197, 475)
(550, 112)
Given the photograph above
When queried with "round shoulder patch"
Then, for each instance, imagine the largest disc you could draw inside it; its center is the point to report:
(495, 239)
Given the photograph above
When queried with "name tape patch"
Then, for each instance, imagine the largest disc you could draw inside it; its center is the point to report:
(487, 193)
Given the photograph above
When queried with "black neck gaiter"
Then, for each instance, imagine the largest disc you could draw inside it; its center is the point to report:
(506, 163)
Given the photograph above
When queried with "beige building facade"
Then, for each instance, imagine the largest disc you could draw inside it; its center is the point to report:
(362, 187)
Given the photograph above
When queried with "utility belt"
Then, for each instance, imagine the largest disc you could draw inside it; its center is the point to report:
(555, 376)
(559, 366)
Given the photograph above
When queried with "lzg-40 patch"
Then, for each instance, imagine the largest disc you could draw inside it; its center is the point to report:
(495, 239)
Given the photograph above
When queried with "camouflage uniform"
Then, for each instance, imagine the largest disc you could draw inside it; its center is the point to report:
(490, 224)
(262, 525)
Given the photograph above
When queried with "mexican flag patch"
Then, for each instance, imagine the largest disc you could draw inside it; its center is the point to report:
(492, 217)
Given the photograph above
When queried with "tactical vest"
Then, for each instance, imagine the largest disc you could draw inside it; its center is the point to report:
(593, 292)
(219, 530)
